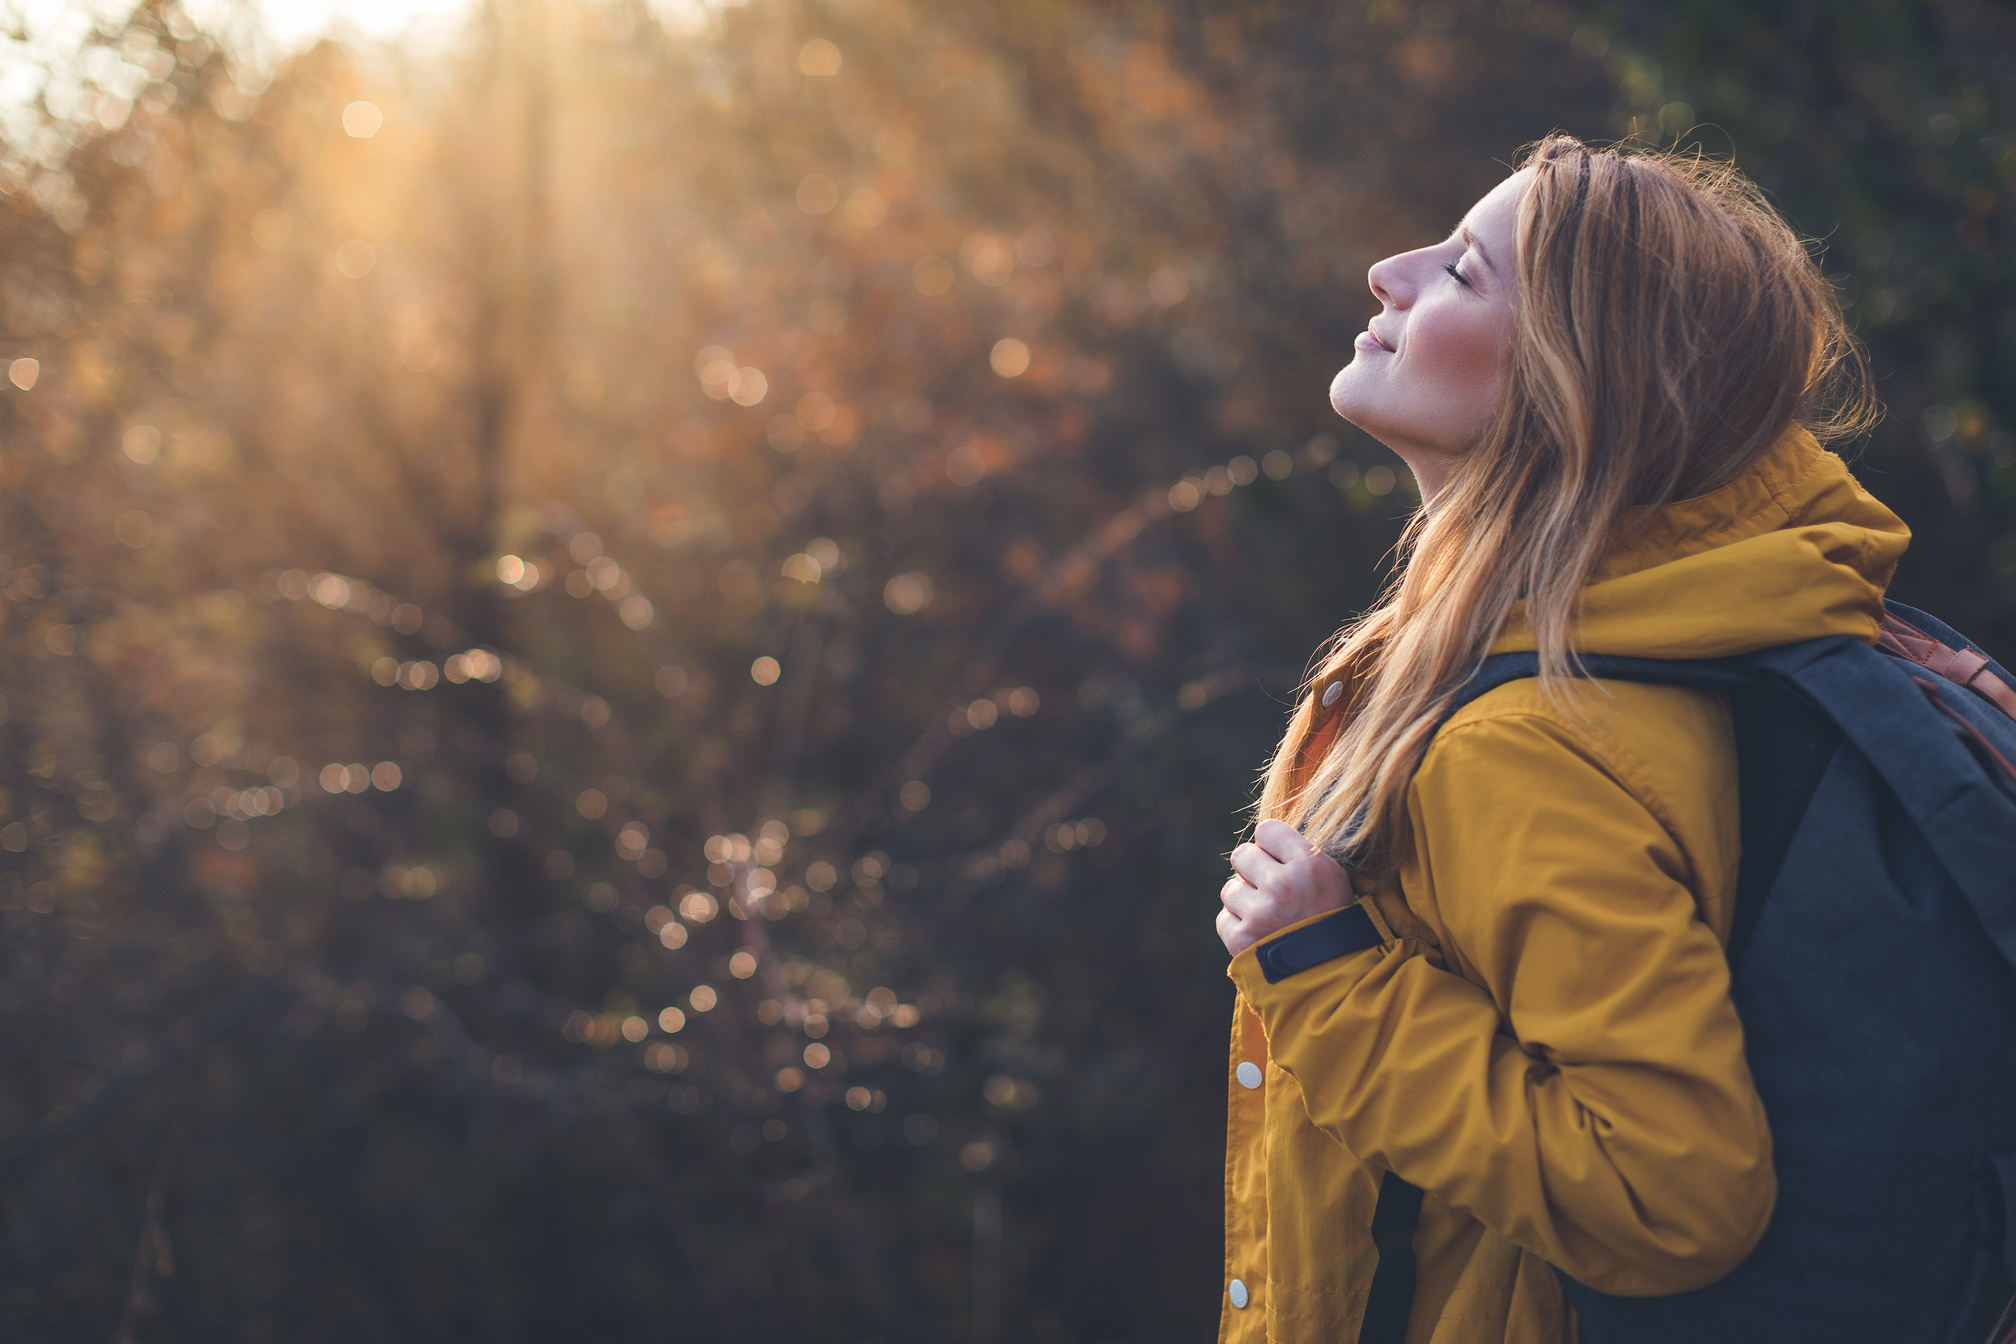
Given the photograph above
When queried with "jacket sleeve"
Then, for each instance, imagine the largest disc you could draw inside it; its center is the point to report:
(1580, 1087)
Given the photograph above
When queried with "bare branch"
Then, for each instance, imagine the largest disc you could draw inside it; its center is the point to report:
(154, 1259)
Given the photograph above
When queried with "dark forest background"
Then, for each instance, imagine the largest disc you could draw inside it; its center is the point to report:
(631, 650)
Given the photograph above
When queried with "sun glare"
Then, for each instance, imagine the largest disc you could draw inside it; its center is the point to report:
(294, 23)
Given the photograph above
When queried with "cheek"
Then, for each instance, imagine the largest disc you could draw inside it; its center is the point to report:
(1462, 353)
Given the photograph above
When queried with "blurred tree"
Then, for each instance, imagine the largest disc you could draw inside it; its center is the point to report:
(637, 639)
(1886, 129)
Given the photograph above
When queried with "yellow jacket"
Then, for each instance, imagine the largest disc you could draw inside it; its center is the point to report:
(1545, 1043)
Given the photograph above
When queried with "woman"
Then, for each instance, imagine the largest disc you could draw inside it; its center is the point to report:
(1612, 383)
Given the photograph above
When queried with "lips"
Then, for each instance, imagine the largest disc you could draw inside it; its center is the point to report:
(1384, 344)
(1369, 339)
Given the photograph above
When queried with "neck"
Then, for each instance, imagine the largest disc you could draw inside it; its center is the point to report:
(1431, 471)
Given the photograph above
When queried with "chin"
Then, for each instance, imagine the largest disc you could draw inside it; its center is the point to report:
(1350, 400)
(1340, 392)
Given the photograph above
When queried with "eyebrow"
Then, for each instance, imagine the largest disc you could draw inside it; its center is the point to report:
(1463, 232)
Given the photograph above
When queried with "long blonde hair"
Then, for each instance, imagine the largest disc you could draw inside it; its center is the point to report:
(1671, 326)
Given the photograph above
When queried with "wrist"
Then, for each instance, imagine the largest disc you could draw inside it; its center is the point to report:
(1320, 938)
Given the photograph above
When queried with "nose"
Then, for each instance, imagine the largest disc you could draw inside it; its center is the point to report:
(1388, 281)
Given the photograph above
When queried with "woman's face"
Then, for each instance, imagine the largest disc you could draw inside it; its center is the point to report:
(1427, 371)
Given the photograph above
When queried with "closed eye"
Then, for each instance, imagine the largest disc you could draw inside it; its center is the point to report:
(1455, 274)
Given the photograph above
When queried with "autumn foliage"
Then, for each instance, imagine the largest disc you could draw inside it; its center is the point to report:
(634, 638)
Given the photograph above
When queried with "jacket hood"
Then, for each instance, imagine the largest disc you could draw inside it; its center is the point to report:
(1793, 549)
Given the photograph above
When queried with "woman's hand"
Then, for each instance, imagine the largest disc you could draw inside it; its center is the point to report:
(1278, 878)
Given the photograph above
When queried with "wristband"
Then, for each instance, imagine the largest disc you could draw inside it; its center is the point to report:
(1349, 930)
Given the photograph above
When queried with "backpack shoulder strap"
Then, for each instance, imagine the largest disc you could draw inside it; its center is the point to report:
(1390, 1300)
(1783, 745)
(1708, 674)
(1939, 648)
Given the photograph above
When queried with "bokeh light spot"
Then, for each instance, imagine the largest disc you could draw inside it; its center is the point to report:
(270, 229)
(361, 120)
(819, 58)
(355, 258)
(909, 593)
(716, 370)
(141, 443)
(1010, 357)
(991, 260)
(818, 194)
(133, 529)
(865, 208)
(635, 611)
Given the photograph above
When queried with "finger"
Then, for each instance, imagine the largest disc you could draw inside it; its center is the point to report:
(1232, 933)
(1252, 862)
(1239, 896)
(1281, 841)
